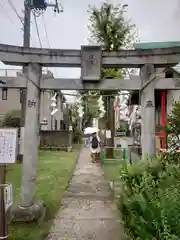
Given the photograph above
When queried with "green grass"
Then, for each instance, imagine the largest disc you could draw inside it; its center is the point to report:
(53, 173)
(111, 167)
(111, 171)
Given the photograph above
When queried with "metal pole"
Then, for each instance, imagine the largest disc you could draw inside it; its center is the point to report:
(3, 222)
(23, 92)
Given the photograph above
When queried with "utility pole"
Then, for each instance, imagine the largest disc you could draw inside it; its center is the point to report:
(23, 92)
(38, 6)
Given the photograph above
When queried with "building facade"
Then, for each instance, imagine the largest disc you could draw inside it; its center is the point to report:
(10, 100)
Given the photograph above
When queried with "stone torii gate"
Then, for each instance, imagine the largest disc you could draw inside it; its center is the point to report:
(90, 59)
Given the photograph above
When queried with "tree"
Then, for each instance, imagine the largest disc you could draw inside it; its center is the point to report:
(108, 27)
(12, 119)
(173, 126)
(90, 107)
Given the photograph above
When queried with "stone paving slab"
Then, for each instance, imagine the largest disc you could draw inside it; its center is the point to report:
(87, 211)
(89, 184)
(87, 229)
(87, 169)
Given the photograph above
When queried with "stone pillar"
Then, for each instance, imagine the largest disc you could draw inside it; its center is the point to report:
(29, 209)
(148, 140)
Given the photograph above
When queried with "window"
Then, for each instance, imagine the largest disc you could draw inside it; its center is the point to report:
(4, 93)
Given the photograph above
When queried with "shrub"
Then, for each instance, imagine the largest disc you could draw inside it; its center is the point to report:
(149, 203)
(171, 157)
(173, 126)
(11, 119)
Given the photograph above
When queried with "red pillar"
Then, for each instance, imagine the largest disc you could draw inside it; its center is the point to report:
(163, 117)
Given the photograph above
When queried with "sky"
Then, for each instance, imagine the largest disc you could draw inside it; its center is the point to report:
(155, 20)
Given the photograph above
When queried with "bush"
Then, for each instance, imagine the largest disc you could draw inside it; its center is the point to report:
(149, 203)
(173, 126)
(12, 119)
(150, 199)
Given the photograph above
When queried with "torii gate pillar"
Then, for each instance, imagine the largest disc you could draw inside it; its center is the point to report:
(28, 209)
(148, 140)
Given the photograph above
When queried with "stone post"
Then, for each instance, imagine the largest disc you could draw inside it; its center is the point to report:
(29, 209)
(148, 140)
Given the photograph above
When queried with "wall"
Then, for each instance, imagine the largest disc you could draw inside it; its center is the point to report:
(54, 138)
(12, 102)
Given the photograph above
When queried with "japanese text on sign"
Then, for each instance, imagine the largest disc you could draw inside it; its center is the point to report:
(8, 143)
(31, 103)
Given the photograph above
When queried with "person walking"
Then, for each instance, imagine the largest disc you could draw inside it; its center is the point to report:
(95, 147)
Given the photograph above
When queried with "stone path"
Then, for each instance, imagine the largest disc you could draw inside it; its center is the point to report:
(87, 210)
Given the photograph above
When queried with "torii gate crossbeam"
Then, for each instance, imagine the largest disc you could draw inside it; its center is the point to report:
(51, 83)
(16, 55)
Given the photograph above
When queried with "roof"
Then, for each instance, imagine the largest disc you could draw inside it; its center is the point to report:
(153, 45)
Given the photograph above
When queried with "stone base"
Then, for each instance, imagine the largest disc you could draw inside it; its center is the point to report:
(35, 212)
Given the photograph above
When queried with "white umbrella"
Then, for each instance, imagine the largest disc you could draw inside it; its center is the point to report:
(90, 130)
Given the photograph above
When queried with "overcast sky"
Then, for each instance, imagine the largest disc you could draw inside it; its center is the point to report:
(156, 20)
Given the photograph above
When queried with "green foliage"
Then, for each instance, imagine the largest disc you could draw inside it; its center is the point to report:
(91, 103)
(112, 73)
(173, 126)
(124, 126)
(12, 119)
(109, 28)
(171, 157)
(149, 201)
(77, 134)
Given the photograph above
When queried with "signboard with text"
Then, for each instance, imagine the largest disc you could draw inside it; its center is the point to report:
(8, 145)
